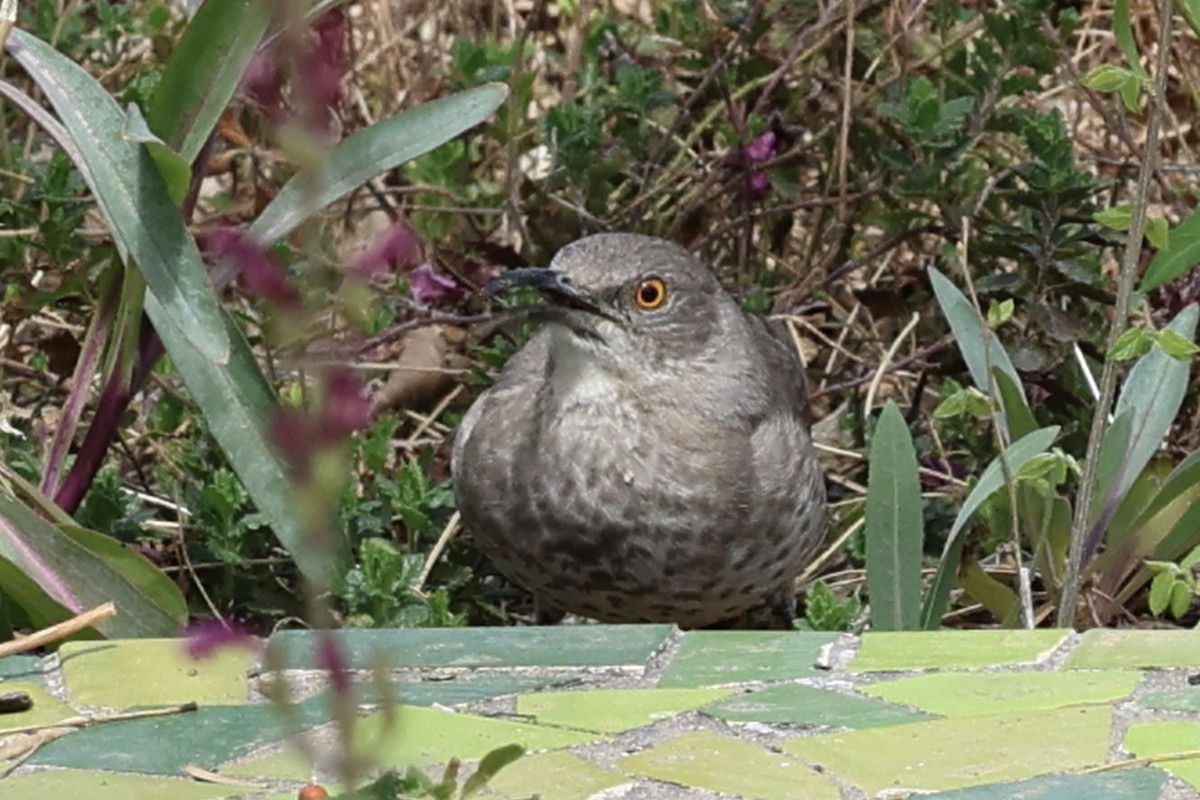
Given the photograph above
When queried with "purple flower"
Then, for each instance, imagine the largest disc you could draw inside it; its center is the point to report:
(207, 637)
(395, 248)
(760, 182)
(263, 85)
(427, 285)
(764, 148)
(331, 657)
(346, 408)
(259, 275)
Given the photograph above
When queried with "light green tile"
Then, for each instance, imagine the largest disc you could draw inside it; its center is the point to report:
(46, 707)
(559, 775)
(963, 694)
(1151, 739)
(147, 672)
(614, 710)
(710, 658)
(541, 646)
(1105, 648)
(1140, 783)
(705, 760)
(967, 751)
(424, 736)
(109, 786)
(796, 704)
(1176, 700)
(892, 651)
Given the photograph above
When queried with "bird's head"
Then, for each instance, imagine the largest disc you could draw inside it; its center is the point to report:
(635, 302)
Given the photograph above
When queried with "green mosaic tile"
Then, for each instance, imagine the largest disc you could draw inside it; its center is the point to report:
(888, 651)
(1104, 648)
(1164, 738)
(964, 694)
(21, 668)
(46, 707)
(541, 646)
(705, 760)
(614, 710)
(708, 658)
(796, 704)
(1177, 700)
(109, 786)
(207, 737)
(1125, 784)
(148, 672)
(559, 775)
(960, 752)
(423, 736)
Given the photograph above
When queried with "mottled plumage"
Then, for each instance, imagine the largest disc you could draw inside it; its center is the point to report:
(637, 462)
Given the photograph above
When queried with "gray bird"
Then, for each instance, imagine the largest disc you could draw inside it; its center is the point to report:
(646, 456)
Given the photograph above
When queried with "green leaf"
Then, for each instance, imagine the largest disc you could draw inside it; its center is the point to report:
(1106, 78)
(204, 71)
(1181, 599)
(1160, 592)
(1000, 313)
(1117, 218)
(1190, 9)
(1180, 255)
(377, 149)
(175, 172)
(81, 569)
(990, 481)
(1158, 233)
(894, 526)
(1131, 344)
(1020, 418)
(489, 766)
(145, 225)
(1131, 93)
(978, 344)
(1174, 345)
(1123, 31)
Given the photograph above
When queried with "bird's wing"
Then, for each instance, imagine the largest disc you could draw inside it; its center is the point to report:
(781, 359)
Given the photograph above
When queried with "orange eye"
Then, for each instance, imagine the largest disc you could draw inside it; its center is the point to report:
(650, 293)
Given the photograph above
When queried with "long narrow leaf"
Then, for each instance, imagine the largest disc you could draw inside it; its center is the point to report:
(979, 346)
(1150, 399)
(377, 149)
(992, 479)
(203, 72)
(1181, 254)
(145, 225)
(894, 528)
(94, 568)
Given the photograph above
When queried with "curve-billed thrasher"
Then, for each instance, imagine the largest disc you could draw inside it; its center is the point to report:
(646, 456)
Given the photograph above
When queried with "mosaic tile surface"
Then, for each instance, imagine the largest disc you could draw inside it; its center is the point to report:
(645, 712)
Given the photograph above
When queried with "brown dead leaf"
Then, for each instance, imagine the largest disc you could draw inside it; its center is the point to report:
(426, 362)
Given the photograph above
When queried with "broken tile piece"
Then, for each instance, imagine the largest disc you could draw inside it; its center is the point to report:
(960, 752)
(150, 672)
(962, 694)
(541, 646)
(613, 710)
(1139, 783)
(887, 651)
(425, 736)
(797, 704)
(1106, 648)
(706, 760)
(711, 658)
(1149, 739)
(559, 775)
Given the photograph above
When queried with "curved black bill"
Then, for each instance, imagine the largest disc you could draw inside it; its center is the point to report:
(556, 287)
